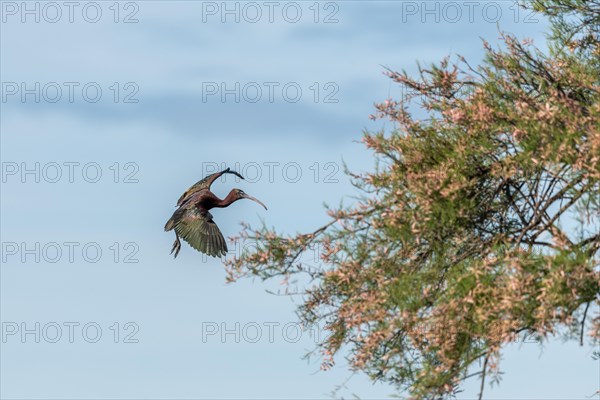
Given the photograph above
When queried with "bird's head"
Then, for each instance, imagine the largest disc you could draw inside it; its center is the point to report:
(240, 194)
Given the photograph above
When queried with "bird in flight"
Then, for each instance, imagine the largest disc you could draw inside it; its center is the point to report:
(192, 221)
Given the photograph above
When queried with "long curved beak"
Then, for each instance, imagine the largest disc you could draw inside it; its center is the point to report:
(247, 196)
(230, 171)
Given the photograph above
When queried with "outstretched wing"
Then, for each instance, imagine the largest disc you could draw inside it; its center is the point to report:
(204, 184)
(200, 231)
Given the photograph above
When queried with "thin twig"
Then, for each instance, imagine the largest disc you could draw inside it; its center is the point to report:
(483, 377)
(583, 323)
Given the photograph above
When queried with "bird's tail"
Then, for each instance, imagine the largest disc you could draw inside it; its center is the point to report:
(170, 224)
(173, 220)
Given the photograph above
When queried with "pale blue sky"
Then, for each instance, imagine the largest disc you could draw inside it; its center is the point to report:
(172, 136)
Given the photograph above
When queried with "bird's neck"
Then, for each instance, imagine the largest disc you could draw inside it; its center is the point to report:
(230, 198)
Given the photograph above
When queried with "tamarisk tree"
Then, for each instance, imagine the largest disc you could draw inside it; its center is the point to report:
(478, 223)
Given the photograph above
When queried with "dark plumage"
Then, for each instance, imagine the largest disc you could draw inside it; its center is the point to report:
(192, 221)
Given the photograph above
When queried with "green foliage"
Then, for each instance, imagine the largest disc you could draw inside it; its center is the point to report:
(458, 243)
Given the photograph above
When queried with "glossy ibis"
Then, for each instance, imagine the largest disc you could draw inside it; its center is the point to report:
(195, 224)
